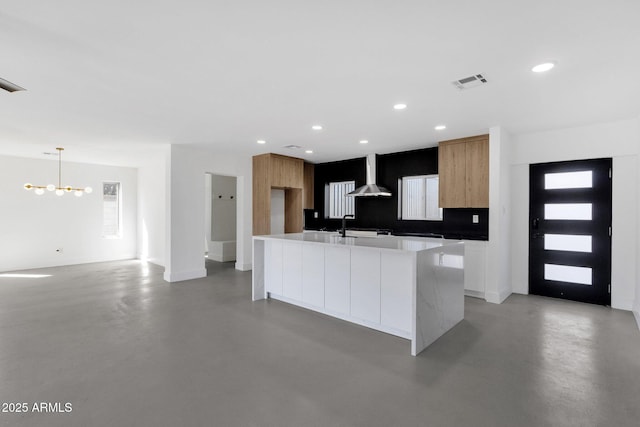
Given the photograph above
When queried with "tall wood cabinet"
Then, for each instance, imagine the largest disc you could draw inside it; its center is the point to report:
(463, 169)
(274, 171)
(307, 190)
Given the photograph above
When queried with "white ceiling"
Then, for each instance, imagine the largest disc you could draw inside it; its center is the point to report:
(106, 78)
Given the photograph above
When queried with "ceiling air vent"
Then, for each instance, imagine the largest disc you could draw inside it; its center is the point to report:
(293, 147)
(470, 82)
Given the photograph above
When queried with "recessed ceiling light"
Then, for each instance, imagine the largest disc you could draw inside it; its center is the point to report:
(8, 86)
(400, 106)
(440, 127)
(316, 127)
(364, 141)
(261, 141)
(541, 68)
(309, 151)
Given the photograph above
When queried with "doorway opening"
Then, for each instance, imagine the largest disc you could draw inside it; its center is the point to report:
(570, 230)
(220, 222)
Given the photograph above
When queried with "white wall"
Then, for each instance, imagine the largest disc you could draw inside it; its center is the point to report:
(277, 211)
(636, 305)
(32, 227)
(207, 211)
(498, 282)
(152, 206)
(223, 210)
(185, 226)
(619, 140)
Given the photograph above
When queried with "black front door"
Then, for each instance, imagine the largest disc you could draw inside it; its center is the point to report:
(570, 230)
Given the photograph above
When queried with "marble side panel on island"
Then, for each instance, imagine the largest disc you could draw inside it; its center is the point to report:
(439, 301)
(257, 285)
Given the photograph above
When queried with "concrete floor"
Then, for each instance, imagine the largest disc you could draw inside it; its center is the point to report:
(127, 349)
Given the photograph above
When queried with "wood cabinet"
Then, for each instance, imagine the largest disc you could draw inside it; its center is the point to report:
(307, 190)
(463, 169)
(286, 172)
(293, 218)
(281, 172)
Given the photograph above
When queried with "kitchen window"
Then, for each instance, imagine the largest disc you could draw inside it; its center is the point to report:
(339, 205)
(111, 210)
(419, 198)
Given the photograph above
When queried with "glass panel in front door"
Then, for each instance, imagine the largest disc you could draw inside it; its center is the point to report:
(567, 242)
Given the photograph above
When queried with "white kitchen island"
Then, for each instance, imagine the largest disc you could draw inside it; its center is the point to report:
(405, 286)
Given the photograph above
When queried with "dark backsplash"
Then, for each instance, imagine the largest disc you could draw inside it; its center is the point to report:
(382, 212)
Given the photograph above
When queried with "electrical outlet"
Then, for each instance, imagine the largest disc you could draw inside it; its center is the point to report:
(476, 219)
(315, 215)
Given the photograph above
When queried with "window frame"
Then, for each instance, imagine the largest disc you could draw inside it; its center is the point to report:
(118, 234)
(348, 207)
(403, 198)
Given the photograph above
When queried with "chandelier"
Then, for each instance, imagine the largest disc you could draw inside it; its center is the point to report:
(60, 190)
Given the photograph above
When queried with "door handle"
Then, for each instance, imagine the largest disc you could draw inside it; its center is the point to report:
(534, 227)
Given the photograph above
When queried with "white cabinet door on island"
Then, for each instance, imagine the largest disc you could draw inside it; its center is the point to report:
(365, 285)
(409, 287)
(273, 266)
(313, 275)
(292, 271)
(337, 279)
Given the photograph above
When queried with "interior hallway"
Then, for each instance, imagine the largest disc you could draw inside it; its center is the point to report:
(126, 348)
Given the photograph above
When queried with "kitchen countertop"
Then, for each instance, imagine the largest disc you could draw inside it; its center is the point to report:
(409, 244)
(448, 236)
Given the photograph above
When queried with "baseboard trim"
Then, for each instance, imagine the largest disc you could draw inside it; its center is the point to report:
(474, 294)
(244, 267)
(185, 275)
(67, 262)
(496, 297)
(636, 314)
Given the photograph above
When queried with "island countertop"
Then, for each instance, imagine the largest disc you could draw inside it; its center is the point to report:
(397, 243)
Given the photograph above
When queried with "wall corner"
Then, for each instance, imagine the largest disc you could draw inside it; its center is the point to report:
(498, 280)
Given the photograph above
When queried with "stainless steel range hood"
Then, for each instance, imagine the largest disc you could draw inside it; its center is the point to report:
(370, 189)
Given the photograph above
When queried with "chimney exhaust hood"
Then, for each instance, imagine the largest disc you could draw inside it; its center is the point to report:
(370, 189)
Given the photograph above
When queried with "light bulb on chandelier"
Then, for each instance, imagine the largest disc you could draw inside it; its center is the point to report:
(59, 189)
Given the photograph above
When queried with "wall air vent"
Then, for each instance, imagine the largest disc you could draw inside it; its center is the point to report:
(8, 86)
(292, 147)
(470, 82)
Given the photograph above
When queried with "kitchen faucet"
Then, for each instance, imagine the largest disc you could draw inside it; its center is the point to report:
(343, 232)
